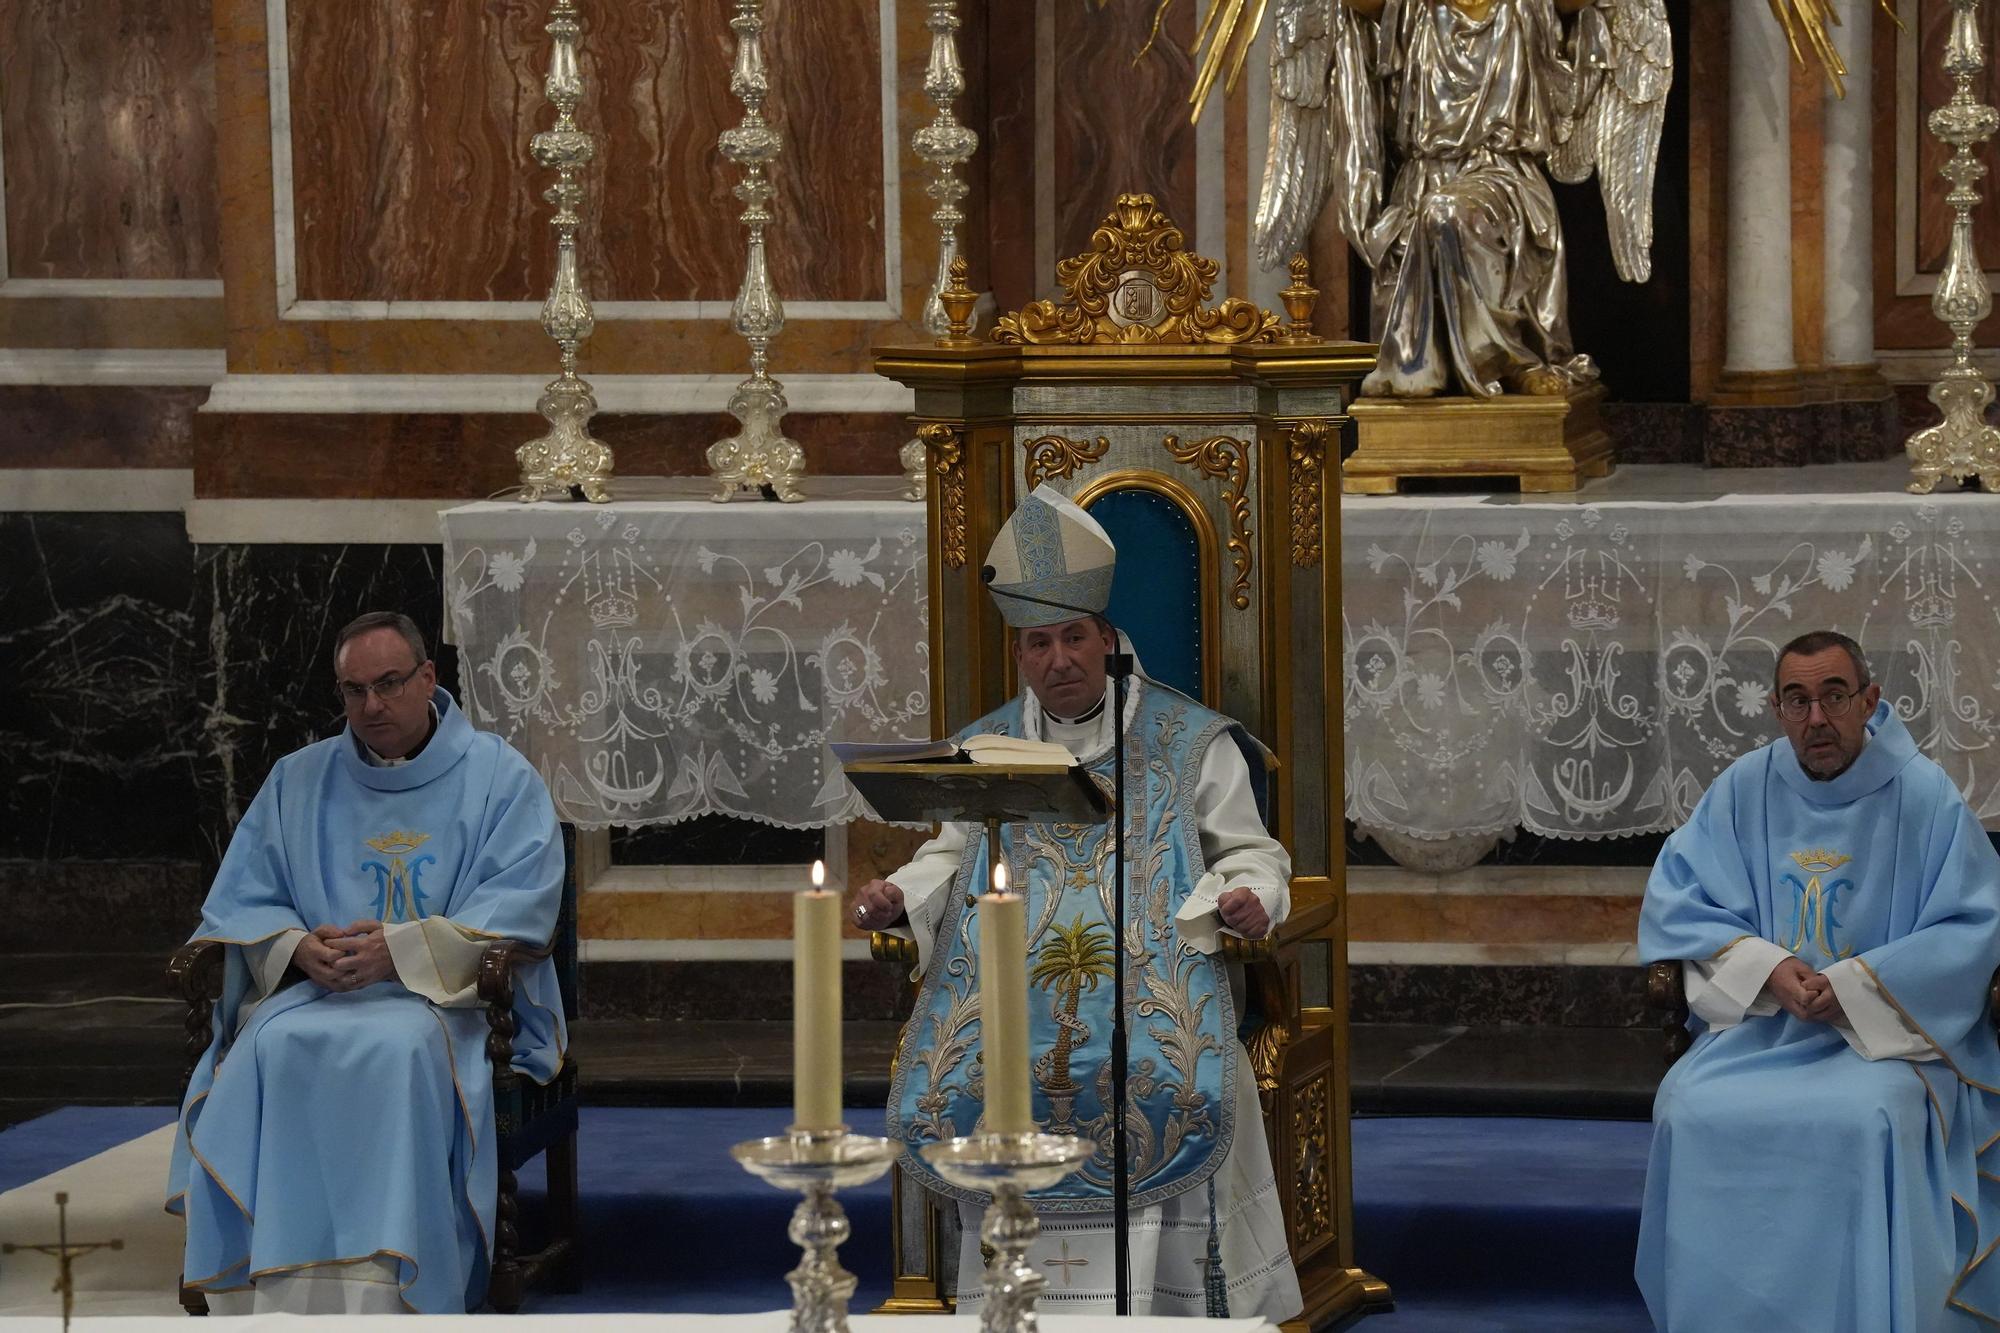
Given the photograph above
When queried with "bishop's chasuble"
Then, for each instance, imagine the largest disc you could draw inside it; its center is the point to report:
(1828, 1177)
(349, 1136)
(1208, 1235)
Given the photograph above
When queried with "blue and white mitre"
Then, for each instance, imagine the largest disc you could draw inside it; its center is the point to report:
(1051, 563)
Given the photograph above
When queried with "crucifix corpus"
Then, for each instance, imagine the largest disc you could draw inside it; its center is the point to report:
(65, 1252)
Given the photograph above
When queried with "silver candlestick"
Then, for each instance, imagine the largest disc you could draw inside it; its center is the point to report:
(1007, 1166)
(946, 145)
(758, 455)
(816, 1163)
(1962, 445)
(567, 456)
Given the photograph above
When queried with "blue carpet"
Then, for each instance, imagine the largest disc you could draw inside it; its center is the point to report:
(1479, 1225)
(49, 1143)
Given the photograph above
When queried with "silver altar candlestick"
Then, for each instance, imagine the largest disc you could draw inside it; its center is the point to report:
(1962, 445)
(758, 455)
(567, 456)
(946, 145)
(1008, 1166)
(816, 1163)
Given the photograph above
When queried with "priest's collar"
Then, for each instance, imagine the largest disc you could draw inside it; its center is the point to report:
(376, 760)
(1889, 748)
(450, 739)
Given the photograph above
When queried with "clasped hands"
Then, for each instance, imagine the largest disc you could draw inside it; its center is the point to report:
(345, 958)
(878, 904)
(1804, 993)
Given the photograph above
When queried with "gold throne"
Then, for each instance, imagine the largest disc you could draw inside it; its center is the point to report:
(1206, 439)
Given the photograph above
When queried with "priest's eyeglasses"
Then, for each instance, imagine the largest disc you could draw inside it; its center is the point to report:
(354, 695)
(1797, 707)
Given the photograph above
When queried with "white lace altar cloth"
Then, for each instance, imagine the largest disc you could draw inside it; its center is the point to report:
(1584, 666)
(662, 658)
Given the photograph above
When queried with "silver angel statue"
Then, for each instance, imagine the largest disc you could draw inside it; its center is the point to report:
(1427, 126)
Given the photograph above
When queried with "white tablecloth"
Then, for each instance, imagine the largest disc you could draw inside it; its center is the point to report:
(663, 658)
(1584, 667)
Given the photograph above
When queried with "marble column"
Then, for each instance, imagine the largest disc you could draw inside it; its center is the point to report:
(1850, 129)
(1758, 329)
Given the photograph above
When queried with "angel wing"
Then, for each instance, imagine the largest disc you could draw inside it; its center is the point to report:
(1617, 130)
(1299, 159)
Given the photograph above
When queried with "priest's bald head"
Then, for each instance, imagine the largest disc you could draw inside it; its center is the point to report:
(1050, 574)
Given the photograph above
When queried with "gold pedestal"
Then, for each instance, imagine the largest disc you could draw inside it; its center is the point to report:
(1549, 444)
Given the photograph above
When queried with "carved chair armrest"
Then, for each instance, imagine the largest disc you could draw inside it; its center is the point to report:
(194, 975)
(1300, 925)
(886, 948)
(1666, 995)
(497, 965)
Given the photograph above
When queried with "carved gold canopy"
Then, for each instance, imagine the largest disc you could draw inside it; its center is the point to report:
(1138, 283)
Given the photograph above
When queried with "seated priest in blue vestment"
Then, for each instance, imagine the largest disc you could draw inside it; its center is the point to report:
(1823, 1155)
(336, 1148)
(1207, 1230)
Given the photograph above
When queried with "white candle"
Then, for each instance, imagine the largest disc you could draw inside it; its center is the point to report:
(1003, 1008)
(816, 1006)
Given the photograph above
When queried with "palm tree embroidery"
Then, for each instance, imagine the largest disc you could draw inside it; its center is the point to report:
(1077, 958)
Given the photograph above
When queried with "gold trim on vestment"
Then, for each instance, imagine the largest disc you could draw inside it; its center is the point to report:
(1937, 1107)
(1989, 1143)
(221, 1184)
(1731, 945)
(1951, 1297)
(451, 1060)
(244, 1262)
(1943, 1055)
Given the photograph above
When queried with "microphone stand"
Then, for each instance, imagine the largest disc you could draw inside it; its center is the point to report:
(1118, 665)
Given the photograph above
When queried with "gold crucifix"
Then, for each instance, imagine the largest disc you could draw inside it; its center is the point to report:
(65, 1254)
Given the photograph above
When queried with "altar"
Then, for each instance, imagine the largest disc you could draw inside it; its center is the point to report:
(1583, 666)
(663, 656)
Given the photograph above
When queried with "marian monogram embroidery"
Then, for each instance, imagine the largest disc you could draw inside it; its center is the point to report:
(399, 893)
(1814, 920)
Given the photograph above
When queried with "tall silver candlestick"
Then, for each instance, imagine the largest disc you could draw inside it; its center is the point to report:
(946, 145)
(567, 456)
(1008, 1166)
(817, 1163)
(758, 455)
(1962, 445)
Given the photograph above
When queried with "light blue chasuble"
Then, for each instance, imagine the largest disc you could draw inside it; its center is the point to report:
(341, 1126)
(1182, 1026)
(1794, 1184)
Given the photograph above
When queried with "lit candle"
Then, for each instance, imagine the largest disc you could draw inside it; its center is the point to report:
(816, 1006)
(1003, 1007)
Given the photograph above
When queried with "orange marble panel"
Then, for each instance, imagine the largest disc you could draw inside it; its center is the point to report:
(412, 181)
(108, 321)
(875, 850)
(688, 914)
(1121, 124)
(98, 426)
(107, 129)
(1440, 918)
(418, 455)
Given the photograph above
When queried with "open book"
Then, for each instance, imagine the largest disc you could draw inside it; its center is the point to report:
(978, 749)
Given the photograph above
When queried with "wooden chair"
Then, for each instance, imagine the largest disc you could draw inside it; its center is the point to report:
(1666, 996)
(528, 1117)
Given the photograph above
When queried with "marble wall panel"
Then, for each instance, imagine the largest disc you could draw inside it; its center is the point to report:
(97, 426)
(107, 129)
(1548, 996)
(1120, 127)
(734, 988)
(64, 906)
(384, 455)
(410, 125)
(263, 623)
(99, 733)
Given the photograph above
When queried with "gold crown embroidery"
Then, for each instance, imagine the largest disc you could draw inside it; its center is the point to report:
(1819, 861)
(398, 843)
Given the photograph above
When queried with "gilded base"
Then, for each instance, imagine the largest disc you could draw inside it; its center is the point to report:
(1547, 444)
